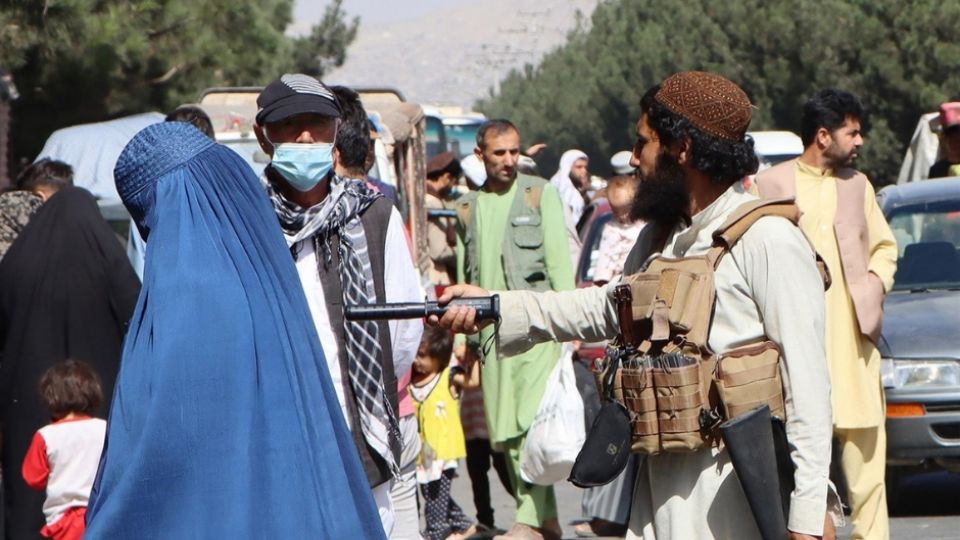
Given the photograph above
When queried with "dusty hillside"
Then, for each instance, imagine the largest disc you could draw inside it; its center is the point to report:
(455, 56)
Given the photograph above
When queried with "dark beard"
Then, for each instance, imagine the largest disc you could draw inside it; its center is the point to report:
(662, 197)
(839, 160)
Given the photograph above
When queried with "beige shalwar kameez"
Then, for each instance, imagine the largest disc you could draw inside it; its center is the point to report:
(858, 411)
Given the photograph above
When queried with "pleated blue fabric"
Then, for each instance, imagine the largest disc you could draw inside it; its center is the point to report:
(224, 422)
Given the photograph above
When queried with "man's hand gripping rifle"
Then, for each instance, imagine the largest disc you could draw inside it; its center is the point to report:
(483, 308)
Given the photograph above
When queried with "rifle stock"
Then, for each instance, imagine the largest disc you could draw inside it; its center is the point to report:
(753, 450)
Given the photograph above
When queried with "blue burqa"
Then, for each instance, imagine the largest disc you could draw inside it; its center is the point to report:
(224, 421)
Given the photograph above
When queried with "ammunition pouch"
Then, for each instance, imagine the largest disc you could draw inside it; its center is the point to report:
(662, 370)
(665, 405)
(748, 377)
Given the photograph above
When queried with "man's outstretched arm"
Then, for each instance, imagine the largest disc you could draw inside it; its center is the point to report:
(529, 318)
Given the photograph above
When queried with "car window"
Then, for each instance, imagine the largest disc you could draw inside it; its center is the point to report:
(591, 248)
(928, 246)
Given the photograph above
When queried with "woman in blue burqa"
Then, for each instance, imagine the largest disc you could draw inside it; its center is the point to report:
(224, 421)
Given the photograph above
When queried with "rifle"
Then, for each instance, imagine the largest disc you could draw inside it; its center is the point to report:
(488, 309)
(757, 444)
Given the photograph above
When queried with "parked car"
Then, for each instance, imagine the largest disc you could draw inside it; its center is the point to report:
(920, 342)
(92, 150)
(772, 147)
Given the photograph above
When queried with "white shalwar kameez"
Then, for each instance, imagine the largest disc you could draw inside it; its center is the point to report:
(767, 286)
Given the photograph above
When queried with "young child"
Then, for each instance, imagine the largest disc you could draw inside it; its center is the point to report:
(620, 233)
(64, 455)
(441, 434)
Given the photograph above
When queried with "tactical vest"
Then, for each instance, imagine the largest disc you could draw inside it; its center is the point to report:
(524, 263)
(676, 389)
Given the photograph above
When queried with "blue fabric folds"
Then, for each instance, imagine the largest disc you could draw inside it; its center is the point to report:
(224, 421)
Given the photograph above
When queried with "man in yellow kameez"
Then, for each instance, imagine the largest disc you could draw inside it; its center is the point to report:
(842, 219)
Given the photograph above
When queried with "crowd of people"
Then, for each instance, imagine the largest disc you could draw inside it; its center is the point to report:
(225, 393)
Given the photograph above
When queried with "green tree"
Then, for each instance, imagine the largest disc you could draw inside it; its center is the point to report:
(326, 46)
(78, 61)
(901, 60)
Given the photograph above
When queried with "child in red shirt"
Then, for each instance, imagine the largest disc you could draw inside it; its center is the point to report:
(64, 455)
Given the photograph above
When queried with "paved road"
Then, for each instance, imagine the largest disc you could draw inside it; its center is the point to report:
(931, 510)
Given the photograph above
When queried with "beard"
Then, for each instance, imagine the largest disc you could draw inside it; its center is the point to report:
(837, 158)
(580, 181)
(662, 197)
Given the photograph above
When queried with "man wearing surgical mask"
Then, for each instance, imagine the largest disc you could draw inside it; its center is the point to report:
(349, 247)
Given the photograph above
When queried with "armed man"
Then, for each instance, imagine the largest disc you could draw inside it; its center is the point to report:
(735, 293)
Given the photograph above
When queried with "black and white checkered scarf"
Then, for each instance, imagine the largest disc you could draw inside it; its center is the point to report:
(339, 214)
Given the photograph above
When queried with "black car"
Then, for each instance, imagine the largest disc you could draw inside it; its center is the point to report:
(920, 343)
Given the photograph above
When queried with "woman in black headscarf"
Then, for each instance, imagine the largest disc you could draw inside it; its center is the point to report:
(67, 290)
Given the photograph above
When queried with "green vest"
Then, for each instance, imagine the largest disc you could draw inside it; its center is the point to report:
(524, 263)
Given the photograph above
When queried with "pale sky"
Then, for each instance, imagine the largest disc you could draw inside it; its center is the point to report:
(306, 13)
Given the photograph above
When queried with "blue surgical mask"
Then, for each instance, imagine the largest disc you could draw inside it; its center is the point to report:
(302, 165)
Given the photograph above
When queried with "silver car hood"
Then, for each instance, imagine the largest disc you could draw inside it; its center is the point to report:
(921, 325)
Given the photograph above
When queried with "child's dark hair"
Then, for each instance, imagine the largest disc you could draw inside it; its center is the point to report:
(71, 386)
(438, 343)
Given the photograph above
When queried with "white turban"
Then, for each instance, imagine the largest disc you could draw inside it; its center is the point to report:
(571, 197)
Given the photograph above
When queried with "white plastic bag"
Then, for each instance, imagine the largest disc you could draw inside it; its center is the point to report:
(558, 431)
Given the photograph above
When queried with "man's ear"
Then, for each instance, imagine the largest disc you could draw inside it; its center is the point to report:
(262, 140)
(478, 152)
(824, 137)
(684, 149)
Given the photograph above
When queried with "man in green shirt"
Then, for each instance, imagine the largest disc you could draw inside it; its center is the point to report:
(512, 236)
